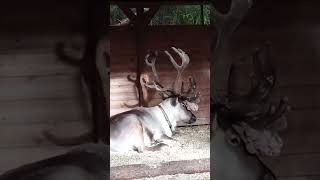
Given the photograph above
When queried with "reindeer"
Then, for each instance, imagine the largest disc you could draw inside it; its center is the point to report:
(144, 128)
(244, 126)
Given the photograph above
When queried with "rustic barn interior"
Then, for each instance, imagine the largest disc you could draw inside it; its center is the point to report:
(292, 27)
(128, 46)
(40, 92)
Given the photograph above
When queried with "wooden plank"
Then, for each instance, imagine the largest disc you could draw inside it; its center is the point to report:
(36, 42)
(15, 157)
(302, 132)
(295, 76)
(39, 16)
(205, 100)
(302, 142)
(300, 178)
(168, 168)
(132, 95)
(19, 136)
(27, 64)
(42, 111)
(201, 77)
(300, 97)
(126, 64)
(32, 87)
(296, 165)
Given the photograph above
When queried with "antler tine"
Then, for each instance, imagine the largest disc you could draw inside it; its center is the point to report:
(225, 25)
(152, 62)
(233, 17)
(275, 117)
(184, 63)
(155, 84)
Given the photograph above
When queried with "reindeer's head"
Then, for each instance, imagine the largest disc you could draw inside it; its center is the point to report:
(253, 116)
(183, 102)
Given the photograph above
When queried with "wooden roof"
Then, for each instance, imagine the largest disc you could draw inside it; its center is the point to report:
(157, 2)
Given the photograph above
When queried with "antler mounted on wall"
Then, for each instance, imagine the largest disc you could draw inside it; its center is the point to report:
(249, 123)
(255, 106)
(225, 24)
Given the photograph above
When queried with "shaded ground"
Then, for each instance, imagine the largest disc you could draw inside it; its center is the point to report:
(192, 143)
(197, 176)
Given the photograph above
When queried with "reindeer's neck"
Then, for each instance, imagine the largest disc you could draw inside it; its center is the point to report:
(170, 111)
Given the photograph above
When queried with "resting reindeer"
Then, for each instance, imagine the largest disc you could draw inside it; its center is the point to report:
(247, 126)
(143, 128)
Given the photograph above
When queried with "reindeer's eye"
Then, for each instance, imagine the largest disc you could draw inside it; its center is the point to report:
(234, 140)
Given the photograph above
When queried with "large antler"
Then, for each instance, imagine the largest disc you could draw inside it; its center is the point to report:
(150, 60)
(190, 94)
(253, 107)
(180, 68)
(225, 25)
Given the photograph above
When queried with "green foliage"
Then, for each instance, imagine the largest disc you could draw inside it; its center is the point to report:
(116, 14)
(170, 15)
(179, 15)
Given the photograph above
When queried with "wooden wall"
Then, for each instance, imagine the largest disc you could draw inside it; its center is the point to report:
(37, 91)
(293, 27)
(193, 40)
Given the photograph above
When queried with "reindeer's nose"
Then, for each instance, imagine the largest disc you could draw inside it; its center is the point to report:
(192, 119)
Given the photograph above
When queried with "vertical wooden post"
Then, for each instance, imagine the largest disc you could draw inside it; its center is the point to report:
(140, 50)
(97, 26)
(140, 21)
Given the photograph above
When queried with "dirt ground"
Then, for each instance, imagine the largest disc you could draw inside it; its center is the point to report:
(193, 142)
(197, 176)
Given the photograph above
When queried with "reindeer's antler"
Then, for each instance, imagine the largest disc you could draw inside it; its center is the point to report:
(190, 94)
(150, 60)
(180, 68)
(225, 24)
(254, 107)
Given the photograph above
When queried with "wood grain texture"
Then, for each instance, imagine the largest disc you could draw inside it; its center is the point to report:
(35, 87)
(168, 168)
(42, 111)
(20, 136)
(14, 157)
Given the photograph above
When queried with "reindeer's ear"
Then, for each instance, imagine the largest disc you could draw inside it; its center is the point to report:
(174, 101)
(177, 100)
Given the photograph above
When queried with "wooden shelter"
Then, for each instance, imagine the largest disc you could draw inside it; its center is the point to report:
(292, 27)
(38, 91)
(129, 45)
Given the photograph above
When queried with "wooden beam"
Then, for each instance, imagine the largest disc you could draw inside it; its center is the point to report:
(128, 12)
(150, 14)
(140, 50)
(136, 171)
(97, 27)
(147, 3)
(140, 21)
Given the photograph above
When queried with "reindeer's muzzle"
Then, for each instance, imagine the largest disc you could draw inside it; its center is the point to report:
(191, 107)
(192, 119)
